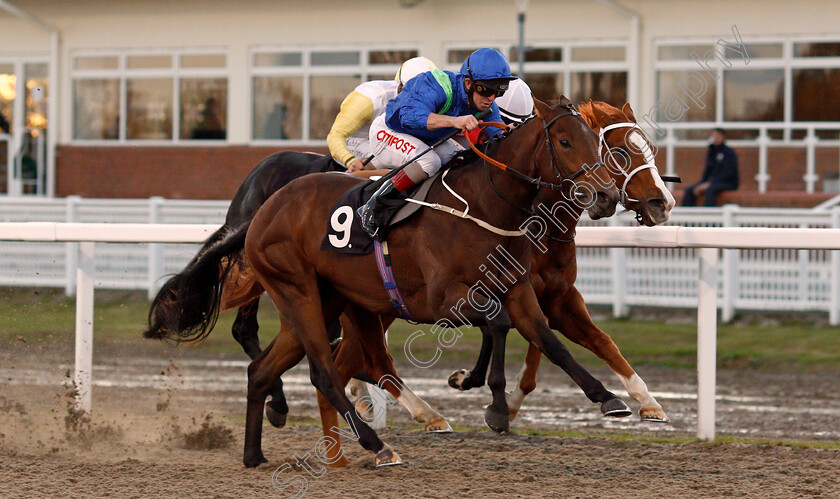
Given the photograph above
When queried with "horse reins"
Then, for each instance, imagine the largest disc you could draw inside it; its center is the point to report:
(554, 159)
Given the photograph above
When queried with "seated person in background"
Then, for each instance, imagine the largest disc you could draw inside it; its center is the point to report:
(348, 137)
(720, 174)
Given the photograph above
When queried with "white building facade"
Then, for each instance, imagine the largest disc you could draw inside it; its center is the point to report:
(103, 99)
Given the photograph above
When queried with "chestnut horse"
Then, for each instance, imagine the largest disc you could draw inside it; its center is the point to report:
(629, 159)
(438, 276)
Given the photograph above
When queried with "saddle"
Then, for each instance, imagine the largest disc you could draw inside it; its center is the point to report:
(344, 229)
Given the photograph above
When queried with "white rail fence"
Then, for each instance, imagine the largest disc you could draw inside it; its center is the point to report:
(706, 239)
(809, 138)
(782, 279)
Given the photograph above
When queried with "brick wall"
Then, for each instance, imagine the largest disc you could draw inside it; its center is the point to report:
(786, 166)
(197, 172)
(141, 172)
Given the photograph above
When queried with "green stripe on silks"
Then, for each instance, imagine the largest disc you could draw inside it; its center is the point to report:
(444, 82)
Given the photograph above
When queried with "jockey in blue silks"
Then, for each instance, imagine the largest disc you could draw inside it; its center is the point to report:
(431, 106)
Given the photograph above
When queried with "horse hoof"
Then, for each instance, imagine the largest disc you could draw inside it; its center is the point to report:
(615, 408)
(277, 419)
(386, 457)
(438, 425)
(500, 423)
(252, 461)
(513, 414)
(653, 415)
(457, 380)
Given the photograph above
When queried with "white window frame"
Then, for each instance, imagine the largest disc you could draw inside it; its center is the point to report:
(787, 62)
(565, 67)
(122, 73)
(306, 70)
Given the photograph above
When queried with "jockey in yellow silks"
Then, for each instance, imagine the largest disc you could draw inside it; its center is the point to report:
(348, 138)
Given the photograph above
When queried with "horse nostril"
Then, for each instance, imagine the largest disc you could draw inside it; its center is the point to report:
(657, 204)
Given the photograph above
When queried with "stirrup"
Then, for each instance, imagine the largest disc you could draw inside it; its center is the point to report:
(365, 213)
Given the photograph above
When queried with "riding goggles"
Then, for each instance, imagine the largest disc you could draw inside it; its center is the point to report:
(485, 90)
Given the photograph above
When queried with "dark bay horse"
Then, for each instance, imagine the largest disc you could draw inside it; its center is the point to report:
(266, 178)
(629, 160)
(311, 287)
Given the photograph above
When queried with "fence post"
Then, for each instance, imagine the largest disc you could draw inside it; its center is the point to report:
(71, 258)
(762, 176)
(731, 261)
(619, 276)
(155, 267)
(810, 176)
(834, 311)
(706, 343)
(804, 258)
(84, 326)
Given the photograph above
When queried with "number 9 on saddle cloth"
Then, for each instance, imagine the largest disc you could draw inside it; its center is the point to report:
(344, 228)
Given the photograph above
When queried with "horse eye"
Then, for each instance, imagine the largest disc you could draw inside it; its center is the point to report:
(565, 143)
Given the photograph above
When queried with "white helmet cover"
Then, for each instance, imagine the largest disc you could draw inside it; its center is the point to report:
(412, 68)
(518, 103)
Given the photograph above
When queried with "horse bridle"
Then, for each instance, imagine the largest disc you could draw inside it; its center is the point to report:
(554, 159)
(602, 143)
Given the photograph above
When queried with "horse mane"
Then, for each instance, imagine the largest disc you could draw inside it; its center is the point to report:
(598, 114)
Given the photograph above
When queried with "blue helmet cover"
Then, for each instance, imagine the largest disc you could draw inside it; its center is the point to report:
(487, 64)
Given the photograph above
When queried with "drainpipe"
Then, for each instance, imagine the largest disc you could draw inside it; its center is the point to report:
(52, 106)
(632, 51)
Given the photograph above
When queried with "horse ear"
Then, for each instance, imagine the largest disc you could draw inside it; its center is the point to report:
(588, 112)
(541, 108)
(628, 112)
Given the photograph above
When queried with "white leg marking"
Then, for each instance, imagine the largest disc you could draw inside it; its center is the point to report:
(637, 389)
(517, 396)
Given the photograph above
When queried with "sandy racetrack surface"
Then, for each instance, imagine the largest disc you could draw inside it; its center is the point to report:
(157, 430)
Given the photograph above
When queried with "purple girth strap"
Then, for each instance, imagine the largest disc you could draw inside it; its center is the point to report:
(383, 262)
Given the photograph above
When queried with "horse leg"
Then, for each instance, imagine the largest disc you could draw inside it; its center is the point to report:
(529, 320)
(284, 352)
(479, 309)
(463, 379)
(571, 318)
(497, 415)
(526, 380)
(245, 330)
(304, 308)
(379, 364)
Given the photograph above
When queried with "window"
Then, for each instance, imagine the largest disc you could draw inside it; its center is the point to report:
(8, 83)
(143, 97)
(815, 94)
(577, 70)
(96, 109)
(298, 93)
(785, 81)
(753, 95)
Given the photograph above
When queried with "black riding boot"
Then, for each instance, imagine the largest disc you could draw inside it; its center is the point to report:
(371, 214)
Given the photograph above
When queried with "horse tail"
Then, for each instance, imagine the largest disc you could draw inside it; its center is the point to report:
(240, 286)
(187, 306)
